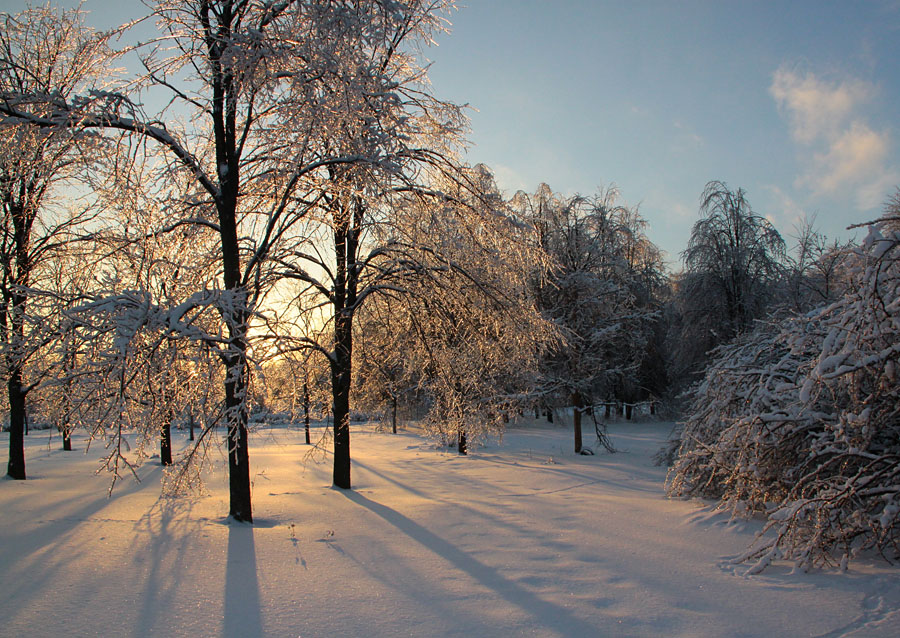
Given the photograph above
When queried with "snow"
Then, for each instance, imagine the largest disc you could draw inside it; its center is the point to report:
(522, 538)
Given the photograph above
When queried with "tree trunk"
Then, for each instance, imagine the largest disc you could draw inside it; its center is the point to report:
(16, 467)
(394, 415)
(67, 438)
(578, 404)
(165, 442)
(238, 440)
(347, 219)
(628, 408)
(462, 444)
(549, 415)
(191, 425)
(341, 370)
(608, 407)
(306, 411)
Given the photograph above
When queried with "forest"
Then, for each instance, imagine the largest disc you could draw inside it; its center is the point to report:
(262, 213)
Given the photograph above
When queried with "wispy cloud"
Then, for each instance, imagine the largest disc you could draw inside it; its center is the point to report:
(509, 180)
(817, 108)
(846, 155)
(788, 212)
(686, 138)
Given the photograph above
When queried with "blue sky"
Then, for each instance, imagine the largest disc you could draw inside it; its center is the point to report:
(796, 102)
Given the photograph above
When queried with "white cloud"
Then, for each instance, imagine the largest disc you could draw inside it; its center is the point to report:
(845, 156)
(817, 108)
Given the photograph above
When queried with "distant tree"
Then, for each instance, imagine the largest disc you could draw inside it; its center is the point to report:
(385, 379)
(814, 268)
(298, 382)
(596, 289)
(733, 267)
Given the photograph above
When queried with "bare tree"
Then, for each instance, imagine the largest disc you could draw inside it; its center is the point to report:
(600, 260)
(733, 265)
(265, 86)
(43, 51)
(814, 268)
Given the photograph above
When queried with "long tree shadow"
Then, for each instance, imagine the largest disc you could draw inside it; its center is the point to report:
(243, 616)
(546, 613)
(168, 528)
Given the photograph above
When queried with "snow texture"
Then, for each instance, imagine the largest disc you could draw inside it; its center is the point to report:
(520, 538)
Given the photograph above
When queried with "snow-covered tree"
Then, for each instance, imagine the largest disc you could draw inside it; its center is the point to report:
(476, 334)
(43, 51)
(596, 289)
(799, 420)
(733, 269)
(256, 92)
(384, 380)
(814, 269)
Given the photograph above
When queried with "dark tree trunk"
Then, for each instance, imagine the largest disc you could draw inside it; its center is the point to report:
(165, 442)
(652, 407)
(347, 219)
(549, 415)
(394, 415)
(238, 439)
(240, 508)
(462, 444)
(191, 425)
(340, 384)
(628, 409)
(64, 428)
(537, 412)
(15, 315)
(225, 133)
(306, 411)
(16, 467)
(578, 404)
(608, 408)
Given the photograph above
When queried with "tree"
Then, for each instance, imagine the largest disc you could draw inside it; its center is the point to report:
(733, 264)
(269, 85)
(600, 260)
(814, 268)
(43, 51)
(798, 419)
(474, 335)
(384, 376)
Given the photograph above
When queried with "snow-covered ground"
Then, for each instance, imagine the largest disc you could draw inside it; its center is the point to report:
(521, 538)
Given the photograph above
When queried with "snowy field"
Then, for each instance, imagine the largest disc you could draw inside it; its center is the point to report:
(521, 538)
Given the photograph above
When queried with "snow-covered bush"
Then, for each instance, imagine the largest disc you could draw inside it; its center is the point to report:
(801, 420)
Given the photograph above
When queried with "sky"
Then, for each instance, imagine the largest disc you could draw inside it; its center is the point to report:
(795, 102)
